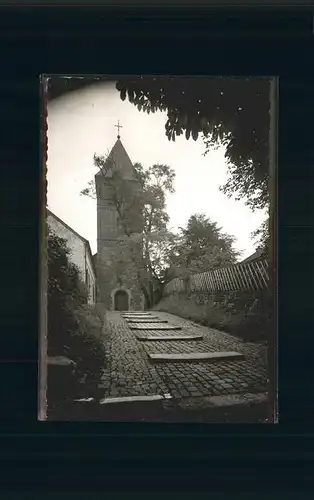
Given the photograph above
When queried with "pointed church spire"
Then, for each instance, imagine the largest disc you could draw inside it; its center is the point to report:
(118, 127)
(119, 158)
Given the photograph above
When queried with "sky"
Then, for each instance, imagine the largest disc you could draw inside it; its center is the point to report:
(82, 123)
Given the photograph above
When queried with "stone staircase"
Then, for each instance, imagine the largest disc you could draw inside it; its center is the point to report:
(173, 370)
(146, 321)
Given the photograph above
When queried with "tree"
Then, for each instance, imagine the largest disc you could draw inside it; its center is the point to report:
(142, 217)
(261, 236)
(233, 112)
(201, 246)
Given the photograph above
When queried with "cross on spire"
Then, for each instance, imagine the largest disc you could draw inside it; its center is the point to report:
(118, 127)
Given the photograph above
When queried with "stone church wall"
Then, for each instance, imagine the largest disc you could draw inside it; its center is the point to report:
(79, 255)
(75, 244)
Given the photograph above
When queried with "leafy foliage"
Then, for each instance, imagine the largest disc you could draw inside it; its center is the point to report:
(74, 330)
(262, 236)
(229, 111)
(233, 112)
(201, 246)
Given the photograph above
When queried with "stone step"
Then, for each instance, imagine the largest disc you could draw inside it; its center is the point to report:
(133, 399)
(198, 356)
(136, 312)
(142, 320)
(140, 316)
(172, 337)
(146, 320)
(155, 326)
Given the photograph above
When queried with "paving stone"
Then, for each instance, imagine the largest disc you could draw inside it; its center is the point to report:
(175, 394)
(103, 386)
(196, 394)
(184, 392)
(128, 357)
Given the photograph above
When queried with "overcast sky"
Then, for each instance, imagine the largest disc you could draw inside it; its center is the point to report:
(81, 123)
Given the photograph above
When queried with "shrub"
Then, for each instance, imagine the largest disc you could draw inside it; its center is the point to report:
(75, 329)
(247, 314)
(181, 305)
(86, 343)
(99, 310)
(65, 293)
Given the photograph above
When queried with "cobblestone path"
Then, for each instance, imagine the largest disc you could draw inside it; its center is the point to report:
(130, 372)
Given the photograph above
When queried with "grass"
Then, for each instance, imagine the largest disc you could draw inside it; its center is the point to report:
(239, 320)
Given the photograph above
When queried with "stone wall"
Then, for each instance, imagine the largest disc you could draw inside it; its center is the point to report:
(111, 279)
(113, 271)
(79, 254)
(75, 243)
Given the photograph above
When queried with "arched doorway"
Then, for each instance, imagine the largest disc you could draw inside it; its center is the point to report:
(121, 301)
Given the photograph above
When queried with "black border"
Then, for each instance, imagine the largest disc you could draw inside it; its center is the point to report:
(150, 40)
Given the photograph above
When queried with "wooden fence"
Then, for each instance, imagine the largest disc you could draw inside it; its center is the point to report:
(249, 276)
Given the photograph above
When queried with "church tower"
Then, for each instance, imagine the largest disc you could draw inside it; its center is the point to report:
(117, 278)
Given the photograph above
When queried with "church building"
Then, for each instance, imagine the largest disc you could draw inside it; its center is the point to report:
(80, 252)
(118, 288)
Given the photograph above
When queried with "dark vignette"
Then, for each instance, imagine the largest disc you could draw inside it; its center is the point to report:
(36, 42)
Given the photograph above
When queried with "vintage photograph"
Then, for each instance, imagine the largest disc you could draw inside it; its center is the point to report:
(159, 248)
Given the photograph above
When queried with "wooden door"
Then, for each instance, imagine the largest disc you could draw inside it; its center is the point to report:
(121, 301)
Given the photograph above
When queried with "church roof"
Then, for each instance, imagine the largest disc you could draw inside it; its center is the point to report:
(120, 160)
